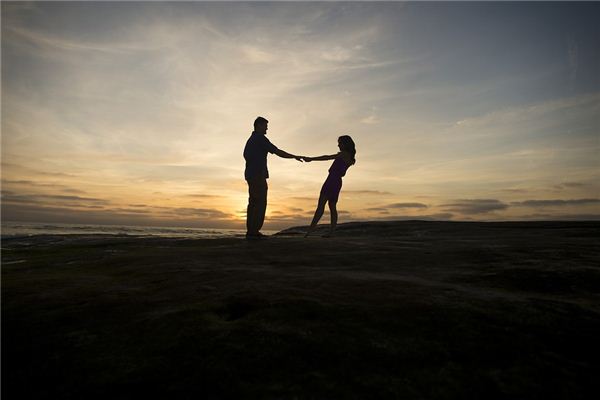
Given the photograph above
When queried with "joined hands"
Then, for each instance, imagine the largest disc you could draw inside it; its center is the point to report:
(303, 158)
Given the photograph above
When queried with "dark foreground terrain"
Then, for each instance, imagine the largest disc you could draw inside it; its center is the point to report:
(415, 310)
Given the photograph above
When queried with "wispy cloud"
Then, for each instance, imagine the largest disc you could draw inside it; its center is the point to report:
(515, 190)
(206, 213)
(203, 196)
(476, 206)
(425, 217)
(11, 197)
(41, 185)
(406, 205)
(569, 186)
(368, 192)
(554, 203)
(532, 112)
(22, 208)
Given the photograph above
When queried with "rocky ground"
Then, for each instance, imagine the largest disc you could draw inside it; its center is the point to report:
(412, 309)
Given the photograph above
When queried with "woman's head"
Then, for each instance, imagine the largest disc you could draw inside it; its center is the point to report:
(347, 144)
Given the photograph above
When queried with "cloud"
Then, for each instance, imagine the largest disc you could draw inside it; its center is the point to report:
(368, 192)
(7, 168)
(255, 55)
(51, 203)
(407, 205)
(515, 190)
(129, 211)
(370, 119)
(34, 184)
(75, 209)
(376, 209)
(554, 203)
(51, 42)
(182, 173)
(427, 217)
(203, 196)
(569, 185)
(12, 197)
(116, 216)
(475, 206)
(397, 205)
(72, 198)
(532, 112)
(206, 213)
(573, 184)
(74, 191)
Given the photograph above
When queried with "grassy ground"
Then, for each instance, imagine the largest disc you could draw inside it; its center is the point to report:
(423, 310)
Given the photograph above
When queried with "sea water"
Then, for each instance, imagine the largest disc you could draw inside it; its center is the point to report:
(26, 229)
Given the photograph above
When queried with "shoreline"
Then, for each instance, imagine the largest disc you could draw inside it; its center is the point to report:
(351, 228)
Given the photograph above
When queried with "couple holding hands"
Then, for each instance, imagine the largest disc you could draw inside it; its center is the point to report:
(256, 175)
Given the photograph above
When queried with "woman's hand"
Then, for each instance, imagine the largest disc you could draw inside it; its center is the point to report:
(307, 159)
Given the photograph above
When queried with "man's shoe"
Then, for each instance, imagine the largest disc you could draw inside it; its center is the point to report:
(255, 236)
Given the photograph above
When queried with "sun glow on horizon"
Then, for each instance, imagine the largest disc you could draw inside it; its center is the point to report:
(141, 116)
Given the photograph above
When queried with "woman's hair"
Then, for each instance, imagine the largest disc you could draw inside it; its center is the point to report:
(347, 144)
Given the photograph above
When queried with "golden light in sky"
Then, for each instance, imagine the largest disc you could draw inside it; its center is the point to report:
(137, 113)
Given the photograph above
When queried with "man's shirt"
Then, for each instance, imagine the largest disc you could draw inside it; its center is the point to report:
(255, 154)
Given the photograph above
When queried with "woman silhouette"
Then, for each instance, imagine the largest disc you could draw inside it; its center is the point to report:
(333, 184)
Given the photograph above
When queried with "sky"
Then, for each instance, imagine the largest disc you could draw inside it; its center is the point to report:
(137, 113)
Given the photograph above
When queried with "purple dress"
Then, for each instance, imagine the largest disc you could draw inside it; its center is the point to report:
(333, 184)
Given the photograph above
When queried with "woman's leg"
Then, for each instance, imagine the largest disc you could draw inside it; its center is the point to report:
(318, 213)
(334, 216)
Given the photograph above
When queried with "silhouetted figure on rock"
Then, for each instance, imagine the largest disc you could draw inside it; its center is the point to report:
(256, 175)
(333, 184)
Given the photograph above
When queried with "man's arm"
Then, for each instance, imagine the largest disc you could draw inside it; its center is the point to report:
(284, 154)
(321, 158)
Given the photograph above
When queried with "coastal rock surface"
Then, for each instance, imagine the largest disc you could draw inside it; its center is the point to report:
(409, 309)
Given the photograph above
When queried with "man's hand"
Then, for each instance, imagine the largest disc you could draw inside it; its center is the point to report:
(299, 158)
(306, 159)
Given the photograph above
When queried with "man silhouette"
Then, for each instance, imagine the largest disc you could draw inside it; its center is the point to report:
(256, 174)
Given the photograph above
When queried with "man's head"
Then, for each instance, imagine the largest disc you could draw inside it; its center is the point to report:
(260, 125)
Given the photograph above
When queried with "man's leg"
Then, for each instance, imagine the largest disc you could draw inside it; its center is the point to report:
(261, 208)
(257, 205)
(250, 210)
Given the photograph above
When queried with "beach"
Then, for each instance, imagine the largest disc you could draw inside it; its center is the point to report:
(407, 309)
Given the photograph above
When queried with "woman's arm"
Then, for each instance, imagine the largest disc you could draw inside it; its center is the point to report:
(321, 158)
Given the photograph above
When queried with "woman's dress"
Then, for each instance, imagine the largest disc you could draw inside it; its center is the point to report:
(333, 184)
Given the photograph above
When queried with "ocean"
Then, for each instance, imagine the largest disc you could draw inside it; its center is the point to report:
(28, 229)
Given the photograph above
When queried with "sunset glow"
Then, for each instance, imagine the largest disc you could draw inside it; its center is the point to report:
(137, 113)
